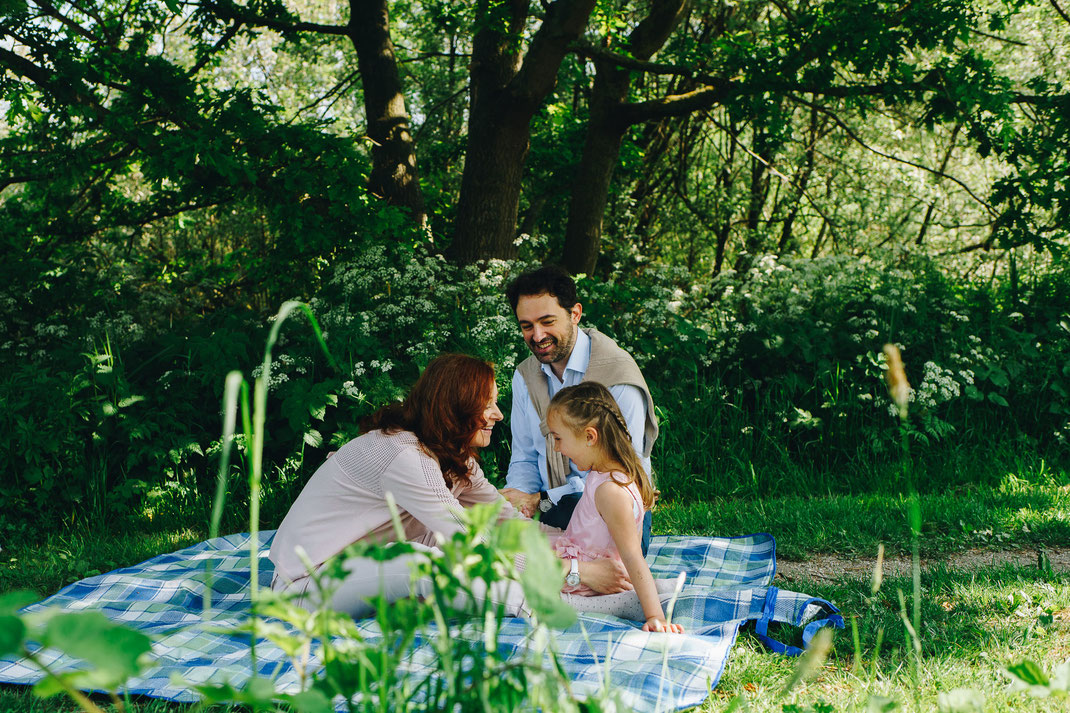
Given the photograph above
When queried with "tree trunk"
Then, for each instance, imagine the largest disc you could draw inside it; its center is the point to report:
(490, 186)
(394, 177)
(759, 190)
(801, 181)
(505, 94)
(605, 131)
(601, 151)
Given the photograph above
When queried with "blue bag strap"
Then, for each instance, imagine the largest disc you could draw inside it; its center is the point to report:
(799, 610)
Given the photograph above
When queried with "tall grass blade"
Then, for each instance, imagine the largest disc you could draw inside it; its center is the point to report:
(231, 389)
(258, 420)
(878, 571)
(810, 661)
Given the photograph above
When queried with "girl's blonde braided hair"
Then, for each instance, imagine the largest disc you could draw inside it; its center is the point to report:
(590, 404)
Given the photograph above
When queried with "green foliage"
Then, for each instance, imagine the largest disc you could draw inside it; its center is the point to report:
(114, 652)
(468, 669)
(768, 381)
(1030, 677)
(457, 616)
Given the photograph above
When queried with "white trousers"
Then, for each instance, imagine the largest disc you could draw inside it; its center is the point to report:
(368, 579)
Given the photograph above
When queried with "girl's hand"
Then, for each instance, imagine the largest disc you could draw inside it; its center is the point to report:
(656, 623)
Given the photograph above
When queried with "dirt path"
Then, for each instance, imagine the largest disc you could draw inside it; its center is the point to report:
(833, 567)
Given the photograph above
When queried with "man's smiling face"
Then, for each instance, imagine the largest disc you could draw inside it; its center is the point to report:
(548, 328)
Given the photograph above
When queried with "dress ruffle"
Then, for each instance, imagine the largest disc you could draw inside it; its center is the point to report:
(566, 548)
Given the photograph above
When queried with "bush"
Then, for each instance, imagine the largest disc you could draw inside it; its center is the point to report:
(766, 382)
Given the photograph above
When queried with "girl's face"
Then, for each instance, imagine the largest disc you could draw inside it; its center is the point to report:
(577, 446)
(491, 415)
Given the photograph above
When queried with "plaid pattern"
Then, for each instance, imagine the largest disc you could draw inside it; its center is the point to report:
(727, 584)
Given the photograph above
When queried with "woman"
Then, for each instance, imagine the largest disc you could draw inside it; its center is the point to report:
(423, 451)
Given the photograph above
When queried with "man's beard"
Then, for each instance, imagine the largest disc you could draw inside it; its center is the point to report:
(559, 351)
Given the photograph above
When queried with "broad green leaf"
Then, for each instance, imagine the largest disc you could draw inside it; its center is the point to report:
(260, 690)
(997, 399)
(130, 401)
(880, 704)
(482, 516)
(12, 7)
(12, 633)
(113, 651)
(1028, 673)
(281, 636)
(999, 378)
(510, 534)
(542, 580)
(311, 701)
(217, 693)
(53, 685)
(313, 438)
(11, 602)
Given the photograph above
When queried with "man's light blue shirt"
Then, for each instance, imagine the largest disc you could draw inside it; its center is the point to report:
(527, 466)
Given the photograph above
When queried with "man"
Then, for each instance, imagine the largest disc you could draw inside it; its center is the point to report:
(562, 354)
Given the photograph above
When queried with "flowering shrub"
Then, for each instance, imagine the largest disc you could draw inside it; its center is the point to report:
(766, 381)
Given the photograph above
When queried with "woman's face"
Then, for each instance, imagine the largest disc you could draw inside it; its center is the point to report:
(491, 415)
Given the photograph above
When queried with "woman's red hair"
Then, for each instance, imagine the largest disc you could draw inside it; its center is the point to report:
(444, 409)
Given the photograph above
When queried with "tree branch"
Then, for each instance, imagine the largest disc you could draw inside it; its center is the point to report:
(1062, 13)
(227, 36)
(420, 56)
(70, 24)
(772, 169)
(586, 49)
(888, 156)
(230, 11)
(1008, 40)
(43, 78)
(675, 104)
(343, 84)
(565, 21)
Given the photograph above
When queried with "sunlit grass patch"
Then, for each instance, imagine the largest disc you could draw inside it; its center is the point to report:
(974, 626)
(61, 558)
(856, 524)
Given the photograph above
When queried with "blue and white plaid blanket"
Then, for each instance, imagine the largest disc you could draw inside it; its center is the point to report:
(727, 584)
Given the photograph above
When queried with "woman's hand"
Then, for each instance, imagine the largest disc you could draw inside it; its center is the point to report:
(605, 576)
(524, 502)
(656, 623)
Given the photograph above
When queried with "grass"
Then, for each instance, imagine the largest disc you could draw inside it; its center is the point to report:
(46, 566)
(18, 699)
(1017, 515)
(1014, 516)
(974, 624)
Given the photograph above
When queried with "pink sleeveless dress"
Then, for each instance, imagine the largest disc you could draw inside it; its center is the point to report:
(587, 537)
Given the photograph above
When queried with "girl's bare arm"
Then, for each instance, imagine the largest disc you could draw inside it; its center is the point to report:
(614, 504)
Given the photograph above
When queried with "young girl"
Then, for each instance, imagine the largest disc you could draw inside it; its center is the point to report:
(588, 428)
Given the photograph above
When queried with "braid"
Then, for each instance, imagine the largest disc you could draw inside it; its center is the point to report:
(590, 403)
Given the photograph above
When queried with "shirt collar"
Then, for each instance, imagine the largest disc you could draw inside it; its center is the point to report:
(579, 359)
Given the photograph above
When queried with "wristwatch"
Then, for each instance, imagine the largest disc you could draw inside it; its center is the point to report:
(545, 503)
(572, 579)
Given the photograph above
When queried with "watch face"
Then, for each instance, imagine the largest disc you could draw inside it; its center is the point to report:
(572, 579)
(545, 505)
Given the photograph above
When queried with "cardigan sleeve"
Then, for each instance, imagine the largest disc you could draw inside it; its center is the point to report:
(415, 480)
(481, 491)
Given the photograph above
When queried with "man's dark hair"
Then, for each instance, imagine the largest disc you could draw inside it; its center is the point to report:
(547, 280)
